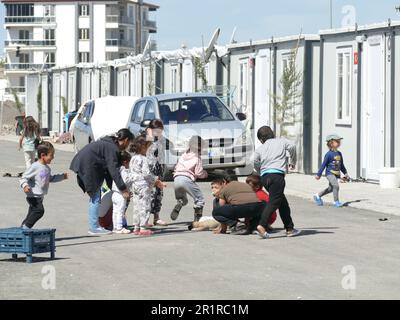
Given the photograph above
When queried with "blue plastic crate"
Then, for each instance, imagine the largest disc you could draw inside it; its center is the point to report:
(28, 242)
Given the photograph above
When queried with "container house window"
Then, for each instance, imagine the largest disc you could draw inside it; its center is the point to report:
(243, 83)
(343, 86)
(174, 79)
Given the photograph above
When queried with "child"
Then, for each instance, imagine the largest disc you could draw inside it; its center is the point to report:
(35, 183)
(29, 135)
(270, 162)
(155, 155)
(334, 165)
(143, 181)
(188, 169)
(255, 183)
(120, 204)
(216, 187)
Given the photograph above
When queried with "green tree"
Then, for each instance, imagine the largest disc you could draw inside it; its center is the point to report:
(18, 104)
(291, 95)
(200, 70)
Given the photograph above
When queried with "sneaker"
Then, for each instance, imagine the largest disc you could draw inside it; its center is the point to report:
(136, 232)
(99, 232)
(264, 235)
(122, 231)
(198, 213)
(145, 233)
(318, 201)
(338, 204)
(24, 227)
(293, 233)
(176, 211)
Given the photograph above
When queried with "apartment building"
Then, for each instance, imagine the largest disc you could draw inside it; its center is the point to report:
(43, 34)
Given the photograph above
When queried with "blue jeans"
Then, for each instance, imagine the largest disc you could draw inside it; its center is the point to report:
(94, 205)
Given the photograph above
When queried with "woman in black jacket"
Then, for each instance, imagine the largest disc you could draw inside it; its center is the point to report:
(96, 162)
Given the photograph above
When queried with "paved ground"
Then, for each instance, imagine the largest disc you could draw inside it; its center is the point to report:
(177, 264)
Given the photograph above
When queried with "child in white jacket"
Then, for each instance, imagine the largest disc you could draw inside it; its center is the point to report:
(120, 204)
(188, 169)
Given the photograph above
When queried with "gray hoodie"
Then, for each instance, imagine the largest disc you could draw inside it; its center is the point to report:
(38, 178)
(272, 155)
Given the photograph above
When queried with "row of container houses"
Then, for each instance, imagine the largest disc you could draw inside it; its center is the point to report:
(349, 86)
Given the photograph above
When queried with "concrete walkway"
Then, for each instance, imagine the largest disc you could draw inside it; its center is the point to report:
(365, 196)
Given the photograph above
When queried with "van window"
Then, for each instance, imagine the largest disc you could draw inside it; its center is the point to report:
(150, 112)
(138, 112)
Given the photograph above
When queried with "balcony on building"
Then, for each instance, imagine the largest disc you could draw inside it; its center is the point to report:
(26, 67)
(29, 43)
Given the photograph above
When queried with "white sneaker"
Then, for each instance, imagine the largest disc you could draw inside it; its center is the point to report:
(293, 233)
(99, 232)
(122, 231)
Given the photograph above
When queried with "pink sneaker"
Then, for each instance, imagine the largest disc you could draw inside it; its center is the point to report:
(136, 232)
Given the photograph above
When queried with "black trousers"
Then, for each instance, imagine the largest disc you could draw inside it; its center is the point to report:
(229, 214)
(275, 185)
(35, 212)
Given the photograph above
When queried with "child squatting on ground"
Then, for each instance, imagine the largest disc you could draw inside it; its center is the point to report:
(35, 183)
(119, 202)
(333, 165)
(188, 169)
(143, 182)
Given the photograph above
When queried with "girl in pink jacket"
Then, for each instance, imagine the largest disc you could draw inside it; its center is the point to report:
(188, 169)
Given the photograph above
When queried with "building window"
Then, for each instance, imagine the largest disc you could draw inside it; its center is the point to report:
(49, 34)
(83, 57)
(83, 34)
(243, 82)
(24, 58)
(51, 58)
(83, 10)
(49, 10)
(23, 34)
(19, 10)
(344, 85)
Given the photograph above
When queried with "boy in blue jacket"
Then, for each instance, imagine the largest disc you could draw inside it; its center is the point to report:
(333, 165)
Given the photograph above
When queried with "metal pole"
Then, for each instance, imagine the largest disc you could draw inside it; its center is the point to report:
(331, 13)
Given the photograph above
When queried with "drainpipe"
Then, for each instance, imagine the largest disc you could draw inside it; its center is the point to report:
(321, 98)
(359, 109)
(392, 99)
(307, 107)
(274, 79)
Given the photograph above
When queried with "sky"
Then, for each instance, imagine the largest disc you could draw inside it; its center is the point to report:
(186, 21)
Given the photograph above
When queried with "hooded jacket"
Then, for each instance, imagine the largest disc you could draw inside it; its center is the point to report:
(96, 162)
(190, 165)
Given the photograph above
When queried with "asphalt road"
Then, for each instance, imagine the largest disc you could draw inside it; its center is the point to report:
(342, 254)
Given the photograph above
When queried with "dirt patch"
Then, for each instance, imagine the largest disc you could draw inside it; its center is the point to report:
(9, 114)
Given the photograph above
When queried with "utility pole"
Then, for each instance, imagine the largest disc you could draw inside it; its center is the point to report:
(139, 24)
(331, 13)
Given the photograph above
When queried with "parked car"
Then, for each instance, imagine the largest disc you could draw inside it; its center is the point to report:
(228, 145)
(100, 117)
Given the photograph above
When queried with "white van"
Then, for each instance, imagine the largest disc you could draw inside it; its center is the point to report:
(101, 117)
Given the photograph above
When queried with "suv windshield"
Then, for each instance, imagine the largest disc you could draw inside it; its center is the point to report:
(192, 110)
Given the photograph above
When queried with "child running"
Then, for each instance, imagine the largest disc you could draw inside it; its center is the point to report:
(119, 202)
(255, 183)
(35, 183)
(29, 135)
(143, 182)
(333, 165)
(188, 169)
